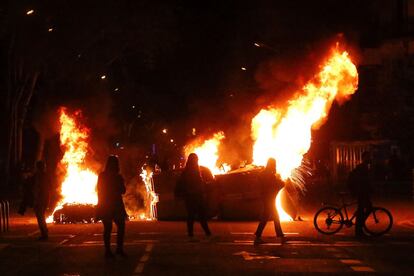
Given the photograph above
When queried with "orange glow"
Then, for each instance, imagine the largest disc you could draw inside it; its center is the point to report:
(285, 134)
(207, 153)
(79, 184)
(283, 216)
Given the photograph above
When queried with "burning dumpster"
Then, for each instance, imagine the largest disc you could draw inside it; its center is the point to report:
(231, 196)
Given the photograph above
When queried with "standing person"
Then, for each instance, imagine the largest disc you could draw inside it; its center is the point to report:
(359, 183)
(270, 186)
(191, 187)
(41, 191)
(110, 205)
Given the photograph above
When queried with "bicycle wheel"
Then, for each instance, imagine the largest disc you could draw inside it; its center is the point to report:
(328, 220)
(379, 221)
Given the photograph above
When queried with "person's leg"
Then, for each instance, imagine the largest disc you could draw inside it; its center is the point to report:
(202, 214)
(263, 221)
(276, 222)
(107, 223)
(360, 217)
(120, 224)
(40, 216)
(190, 217)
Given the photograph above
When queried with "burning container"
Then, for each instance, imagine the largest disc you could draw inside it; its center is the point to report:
(231, 196)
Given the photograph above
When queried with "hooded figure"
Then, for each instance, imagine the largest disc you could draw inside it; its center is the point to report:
(191, 187)
(270, 186)
(110, 204)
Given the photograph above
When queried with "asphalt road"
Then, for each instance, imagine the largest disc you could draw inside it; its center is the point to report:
(162, 248)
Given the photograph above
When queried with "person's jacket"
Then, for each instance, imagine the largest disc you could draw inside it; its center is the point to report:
(190, 184)
(110, 190)
(270, 185)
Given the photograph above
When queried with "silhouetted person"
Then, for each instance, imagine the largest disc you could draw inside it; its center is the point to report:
(41, 191)
(26, 181)
(270, 185)
(191, 187)
(110, 205)
(359, 183)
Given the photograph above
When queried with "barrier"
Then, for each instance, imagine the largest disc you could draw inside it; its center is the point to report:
(4, 215)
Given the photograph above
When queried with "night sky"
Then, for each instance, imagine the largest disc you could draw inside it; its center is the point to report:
(135, 67)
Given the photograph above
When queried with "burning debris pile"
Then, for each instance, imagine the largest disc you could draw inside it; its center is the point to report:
(78, 189)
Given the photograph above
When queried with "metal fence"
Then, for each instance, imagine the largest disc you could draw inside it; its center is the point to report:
(4, 215)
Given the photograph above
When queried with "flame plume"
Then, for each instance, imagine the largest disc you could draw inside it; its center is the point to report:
(79, 184)
(286, 134)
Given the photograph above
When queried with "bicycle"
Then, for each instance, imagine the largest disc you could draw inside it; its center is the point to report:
(330, 219)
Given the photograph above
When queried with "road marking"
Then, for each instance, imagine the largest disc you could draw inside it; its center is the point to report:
(298, 242)
(340, 255)
(100, 234)
(34, 233)
(63, 242)
(362, 269)
(141, 264)
(350, 261)
(139, 268)
(249, 256)
(144, 258)
(149, 247)
(251, 233)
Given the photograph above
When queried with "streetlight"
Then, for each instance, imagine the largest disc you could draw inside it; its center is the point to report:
(263, 45)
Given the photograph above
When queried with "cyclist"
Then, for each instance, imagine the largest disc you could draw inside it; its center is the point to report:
(359, 183)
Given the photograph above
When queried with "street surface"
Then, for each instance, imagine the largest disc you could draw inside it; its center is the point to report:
(162, 248)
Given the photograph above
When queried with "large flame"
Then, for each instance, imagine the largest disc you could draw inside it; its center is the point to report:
(79, 184)
(285, 134)
(207, 153)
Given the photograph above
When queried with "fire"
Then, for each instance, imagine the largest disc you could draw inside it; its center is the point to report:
(152, 197)
(283, 216)
(208, 153)
(79, 184)
(285, 134)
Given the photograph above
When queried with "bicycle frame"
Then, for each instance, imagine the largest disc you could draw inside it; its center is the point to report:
(343, 208)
